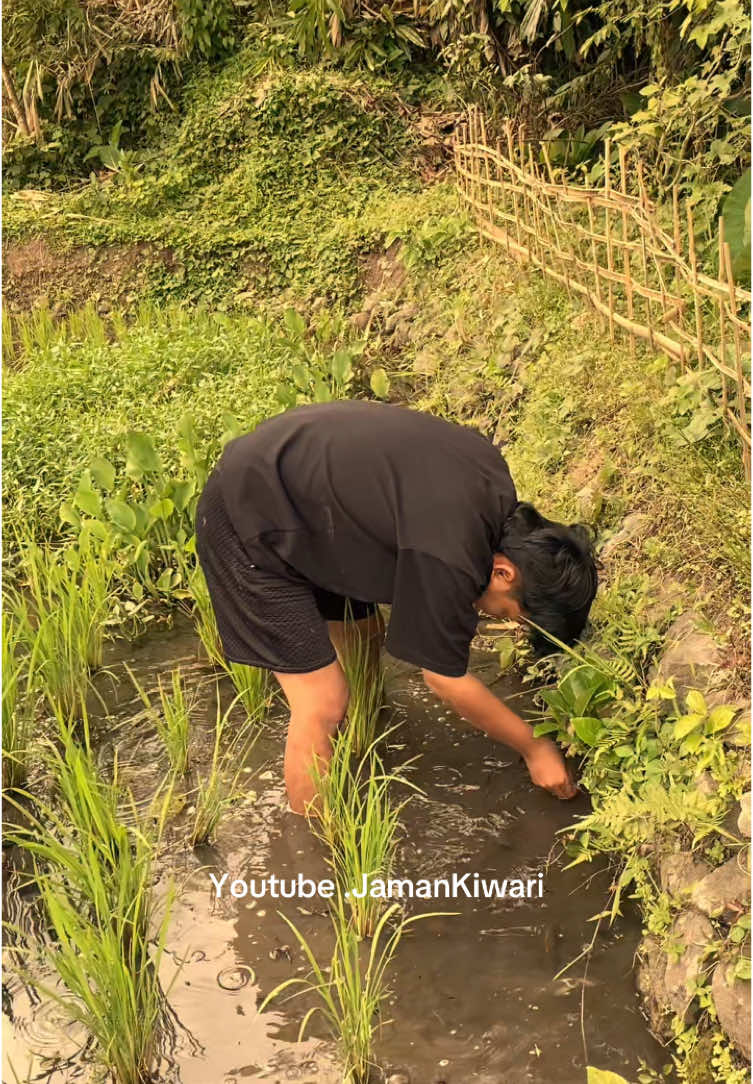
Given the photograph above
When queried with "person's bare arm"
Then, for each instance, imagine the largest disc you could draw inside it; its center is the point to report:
(471, 699)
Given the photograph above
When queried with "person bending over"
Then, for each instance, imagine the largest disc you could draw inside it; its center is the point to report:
(345, 505)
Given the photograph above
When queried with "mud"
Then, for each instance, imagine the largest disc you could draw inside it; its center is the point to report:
(474, 995)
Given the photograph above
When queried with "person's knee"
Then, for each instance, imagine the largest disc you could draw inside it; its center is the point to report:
(331, 708)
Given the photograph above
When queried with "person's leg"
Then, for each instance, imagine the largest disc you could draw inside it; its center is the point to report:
(318, 701)
(366, 632)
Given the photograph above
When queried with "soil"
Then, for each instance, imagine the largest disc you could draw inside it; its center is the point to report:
(476, 997)
(36, 273)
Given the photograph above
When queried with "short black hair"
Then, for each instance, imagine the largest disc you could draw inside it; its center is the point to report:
(558, 577)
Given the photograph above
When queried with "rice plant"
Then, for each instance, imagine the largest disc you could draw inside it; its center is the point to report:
(217, 791)
(253, 688)
(19, 693)
(357, 819)
(70, 594)
(172, 719)
(94, 875)
(365, 678)
(203, 614)
(353, 988)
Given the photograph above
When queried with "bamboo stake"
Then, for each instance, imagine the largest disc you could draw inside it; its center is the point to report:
(741, 408)
(503, 190)
(626, 267)
(594, 256)
(511, 158)
(722, 321)
(696, 292)
(608, 232)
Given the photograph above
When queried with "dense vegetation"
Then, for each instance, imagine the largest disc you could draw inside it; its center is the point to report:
(283, 230)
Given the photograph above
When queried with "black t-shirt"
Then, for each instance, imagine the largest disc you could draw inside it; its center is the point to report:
(379, 503)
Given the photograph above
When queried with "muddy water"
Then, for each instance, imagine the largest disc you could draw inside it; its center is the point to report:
(474, 997)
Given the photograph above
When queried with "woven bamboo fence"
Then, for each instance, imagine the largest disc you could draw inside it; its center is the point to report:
(606, 246)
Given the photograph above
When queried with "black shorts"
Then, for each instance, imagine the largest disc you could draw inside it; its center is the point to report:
(265, 618)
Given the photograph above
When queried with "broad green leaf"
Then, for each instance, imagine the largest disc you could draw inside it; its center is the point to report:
(322, 393)
(301, 374)
(624, 751)
(687, 723)
(86, 498)
(181, 493)
(161, 509)
(665, 691)
(141, 456)
(720, 718)
(696, 702)
(121, 514)
(164, 583)
(103, 473)
(68, 514)
(380, 383)
(342, 366)
(742, 969)
(544, 728)
(587, 728)
(692, 742)
(294, 323)
(736, 215)
(603, 1076)
(506, 649)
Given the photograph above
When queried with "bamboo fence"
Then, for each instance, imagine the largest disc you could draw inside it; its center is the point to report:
(606, 246)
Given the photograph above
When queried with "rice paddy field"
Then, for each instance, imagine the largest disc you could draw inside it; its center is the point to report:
(292, 235)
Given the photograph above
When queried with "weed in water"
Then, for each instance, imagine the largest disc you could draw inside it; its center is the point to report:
(352, 989)
(94, 875)
(70, 594)
(219, 789)
(356, 818)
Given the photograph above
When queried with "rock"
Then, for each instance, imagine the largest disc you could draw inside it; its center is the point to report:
(398, 1078)
(743, 820)
(725, 892)
(361, 320)
(679, 873)
(652, 965)
(732, 1003)
(691, 657)
(668, 594)
(589, 501)
(632, 526)
(402, 315)
(738, 734)
(695, 933)
(401, 334)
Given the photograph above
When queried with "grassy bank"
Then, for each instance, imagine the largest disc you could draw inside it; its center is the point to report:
(292, 247)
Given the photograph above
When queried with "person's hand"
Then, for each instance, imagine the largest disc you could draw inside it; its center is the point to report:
(547, 769)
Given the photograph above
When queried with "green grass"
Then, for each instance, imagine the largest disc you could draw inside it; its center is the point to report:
(61, 609)
(352, 988)
(365, 677)
(20, 688)
(95, 878)
(358, 819)
(219, 789)
(172, 718)
(252, 684)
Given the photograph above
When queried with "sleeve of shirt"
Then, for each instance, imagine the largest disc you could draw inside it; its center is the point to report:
(433, 620)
